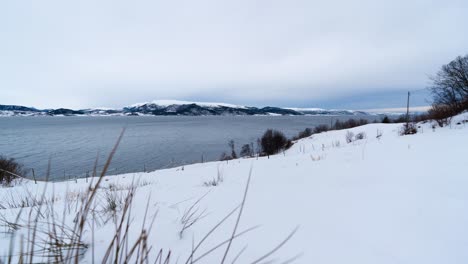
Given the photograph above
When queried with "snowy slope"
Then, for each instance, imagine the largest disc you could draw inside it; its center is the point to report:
(397, 199)
(321, 111)
(179, 102)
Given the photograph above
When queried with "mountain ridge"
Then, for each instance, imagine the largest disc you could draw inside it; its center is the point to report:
(173, 108)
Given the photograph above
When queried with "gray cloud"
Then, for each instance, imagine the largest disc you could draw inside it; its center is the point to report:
(113, 53)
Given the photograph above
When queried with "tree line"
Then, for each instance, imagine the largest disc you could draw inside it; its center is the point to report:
(449, 90)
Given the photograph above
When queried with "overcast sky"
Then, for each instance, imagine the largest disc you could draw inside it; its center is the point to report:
(333, 54)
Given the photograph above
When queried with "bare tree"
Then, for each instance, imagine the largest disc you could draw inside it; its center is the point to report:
(450, 84)
(233, 149)
(246, 151)
(259, 146)
(273, 141)
(9, 170)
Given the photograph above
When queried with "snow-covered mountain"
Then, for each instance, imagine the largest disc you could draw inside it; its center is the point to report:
(172, 108)
(168, 107)
(178, 102)
(320, 111)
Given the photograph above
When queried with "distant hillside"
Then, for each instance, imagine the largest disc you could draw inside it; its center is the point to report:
(172, 108)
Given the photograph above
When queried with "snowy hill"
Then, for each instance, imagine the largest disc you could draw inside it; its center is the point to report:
(165, 103)
(172, 107)
(382, 199)
(320, 111)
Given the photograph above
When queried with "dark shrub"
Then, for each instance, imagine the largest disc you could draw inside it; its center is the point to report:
(386, 120)
(246, 151)
(349, 123)
(400, 119)
(464, 104)
(233, 149)
(273, 141)
(320, 129)
(408, 129)
(306, 133)
(442, 114)
(360, 136)
(363, 122)
(303, 134)
(224, 157)
(421, 118)
(8, 167)
(258, 148)
(349, 137)
(288, 144)
(338, 125)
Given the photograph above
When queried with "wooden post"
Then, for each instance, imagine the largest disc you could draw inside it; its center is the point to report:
(407, 110)
(34, 176)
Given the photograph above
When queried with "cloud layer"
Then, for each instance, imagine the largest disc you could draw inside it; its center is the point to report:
(113, 52)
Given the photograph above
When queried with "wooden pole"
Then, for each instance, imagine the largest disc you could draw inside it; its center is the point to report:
(34, 176)
(407, 110)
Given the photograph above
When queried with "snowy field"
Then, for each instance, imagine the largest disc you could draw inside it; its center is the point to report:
(392, 199)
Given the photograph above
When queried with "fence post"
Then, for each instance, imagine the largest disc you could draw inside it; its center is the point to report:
(34, 176)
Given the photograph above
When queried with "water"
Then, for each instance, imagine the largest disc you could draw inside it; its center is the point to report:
(73, 143)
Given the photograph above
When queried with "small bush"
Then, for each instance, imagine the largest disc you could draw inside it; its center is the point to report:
(400, 119)
(8, 169)
(423, 117)
(386, 120)
(303, 134)
(273, 141)
(320, 129)
(360, 136)
(215, 181)
(408, 129)
(113, 201)
(246, 151)
(349, 137)
(349, 123)
(442, 114)
(232, 146)
(288, 144)
(225, 157)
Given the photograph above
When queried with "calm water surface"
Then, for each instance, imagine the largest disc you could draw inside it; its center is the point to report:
(149, 143)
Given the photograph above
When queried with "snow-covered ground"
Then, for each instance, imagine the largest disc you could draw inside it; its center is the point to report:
(392, 199)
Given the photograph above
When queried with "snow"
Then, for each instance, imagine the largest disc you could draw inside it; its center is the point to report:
(178, 102)
(330, 111)
(397, 199)
(397, 111)
(7, 113)
(305, 109)
(102, 108)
